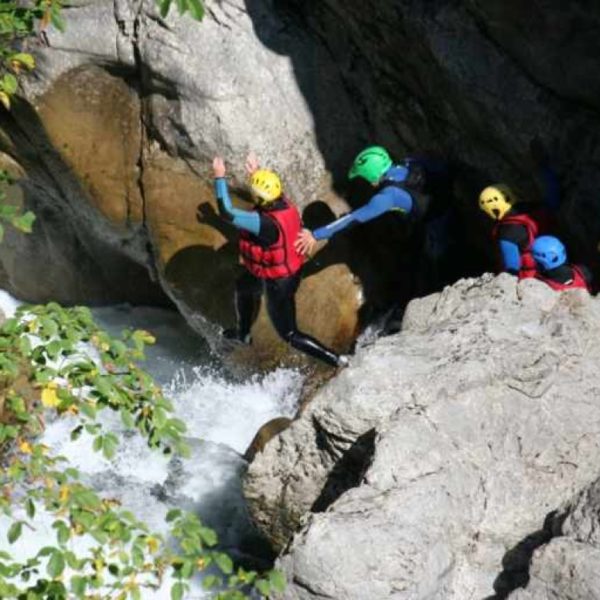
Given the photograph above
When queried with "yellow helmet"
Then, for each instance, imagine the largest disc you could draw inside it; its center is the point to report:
(496, 200)
(266, 185)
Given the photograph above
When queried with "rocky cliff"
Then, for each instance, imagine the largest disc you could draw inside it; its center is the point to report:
(445, 455)
(113, 144)
(121, 118)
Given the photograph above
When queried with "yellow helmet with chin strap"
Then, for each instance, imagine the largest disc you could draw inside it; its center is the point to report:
(496, 200)
(266, 186)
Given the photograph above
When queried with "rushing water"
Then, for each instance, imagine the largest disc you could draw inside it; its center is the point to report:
(222, 416)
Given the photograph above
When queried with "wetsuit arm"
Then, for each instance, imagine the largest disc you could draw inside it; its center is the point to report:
(388, 199)
(511, 256)
(241, 219)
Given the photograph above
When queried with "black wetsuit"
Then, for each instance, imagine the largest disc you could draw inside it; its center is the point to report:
(281, 306)
(280, 292)
(564, 274)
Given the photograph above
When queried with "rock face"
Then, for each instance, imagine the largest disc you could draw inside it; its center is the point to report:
(428, 468)
(471, 80)
(115, 153)
(567, 567)
(126, 109)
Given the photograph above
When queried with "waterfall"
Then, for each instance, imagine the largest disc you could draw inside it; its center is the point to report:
(222, 415)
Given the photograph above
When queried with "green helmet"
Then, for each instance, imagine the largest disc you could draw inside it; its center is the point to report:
(371, 164)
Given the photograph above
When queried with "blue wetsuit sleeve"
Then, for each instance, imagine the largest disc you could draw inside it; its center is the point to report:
(241, 219)
(551, 188)
(390, 198)
(511, 257)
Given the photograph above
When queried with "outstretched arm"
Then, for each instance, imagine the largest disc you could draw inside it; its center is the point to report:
(241, 219)
(391, 198)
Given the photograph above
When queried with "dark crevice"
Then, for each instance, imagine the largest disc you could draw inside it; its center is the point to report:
(52, 191)
(517, 561)
(151, 259)
(348, 471)
(305, 586)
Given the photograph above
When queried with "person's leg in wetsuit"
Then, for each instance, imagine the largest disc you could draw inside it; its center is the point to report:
(281, 306)
(248, 290)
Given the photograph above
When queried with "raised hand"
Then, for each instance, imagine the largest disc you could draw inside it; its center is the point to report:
(305, 242)
(251, 163)
(218, 166)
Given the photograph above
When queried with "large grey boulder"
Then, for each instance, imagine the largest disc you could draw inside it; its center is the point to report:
(427, 469)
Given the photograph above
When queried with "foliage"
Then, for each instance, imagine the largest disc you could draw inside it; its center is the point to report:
(10, 213)
(44, 368)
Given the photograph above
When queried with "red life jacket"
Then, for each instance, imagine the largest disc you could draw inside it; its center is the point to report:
(578, 281)
(279, 259)
(536, 223)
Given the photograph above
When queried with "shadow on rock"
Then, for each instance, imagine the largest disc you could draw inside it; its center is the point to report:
(348, 471)
(516, 562)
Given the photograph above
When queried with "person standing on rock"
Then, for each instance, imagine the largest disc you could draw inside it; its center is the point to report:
(404, 188)
(273, 266)
(550, 256)
(518, 224)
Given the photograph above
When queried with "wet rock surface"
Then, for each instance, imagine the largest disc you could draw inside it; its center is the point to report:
(115, 156)
(436, 464)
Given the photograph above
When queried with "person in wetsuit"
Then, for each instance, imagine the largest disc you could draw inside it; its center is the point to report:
(550, 256)
(404, 188)
(272, 264)
(518, 224)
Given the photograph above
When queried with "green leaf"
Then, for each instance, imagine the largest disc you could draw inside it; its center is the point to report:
(127, 418)
(78, 585)
(1, 232)
(277, 581)
(164, 6)
(110, 445)
(98, 442)
(25, 59)
(9, 83)
(75, 433)
(63, 533)
(225, 563)
(210, 581)
(30, 508)
(177, 591)
(209, 537)
(24, 222)
(14, 532)
(137, 556)
(263, 587)
(56, 564)
(196, 9)
(173, 514)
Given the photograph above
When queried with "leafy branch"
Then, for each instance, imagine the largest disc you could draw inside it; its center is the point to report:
(44, 366)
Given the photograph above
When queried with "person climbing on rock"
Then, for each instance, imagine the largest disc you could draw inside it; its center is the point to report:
(420, 190)
(550, 256)
(272, 264)
(518, 223)
(399, 187)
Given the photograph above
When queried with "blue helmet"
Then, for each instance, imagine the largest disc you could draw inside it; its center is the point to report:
(549, 252)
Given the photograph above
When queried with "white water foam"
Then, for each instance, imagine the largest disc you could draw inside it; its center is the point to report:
(222, 417)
